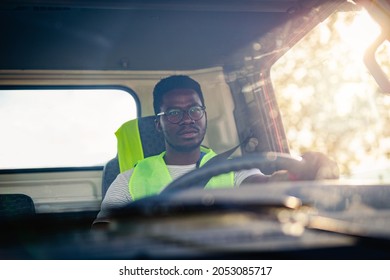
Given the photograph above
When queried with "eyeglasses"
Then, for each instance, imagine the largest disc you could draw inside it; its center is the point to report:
(176, 115)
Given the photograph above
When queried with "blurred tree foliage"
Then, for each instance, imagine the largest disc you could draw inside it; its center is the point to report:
(328, 99)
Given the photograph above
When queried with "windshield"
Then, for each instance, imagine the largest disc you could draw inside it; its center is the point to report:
(198, 130)
(329, 100)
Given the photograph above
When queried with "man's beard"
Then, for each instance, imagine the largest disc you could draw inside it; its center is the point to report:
(183, 148)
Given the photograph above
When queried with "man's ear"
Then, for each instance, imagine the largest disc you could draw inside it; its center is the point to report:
(158, 124)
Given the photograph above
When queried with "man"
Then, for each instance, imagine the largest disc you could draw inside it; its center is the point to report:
(182, 118)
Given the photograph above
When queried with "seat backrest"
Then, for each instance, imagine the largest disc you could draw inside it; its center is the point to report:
(16, 205)
(136, 139)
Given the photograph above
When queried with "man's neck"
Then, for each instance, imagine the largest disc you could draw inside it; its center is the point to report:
(174, 157)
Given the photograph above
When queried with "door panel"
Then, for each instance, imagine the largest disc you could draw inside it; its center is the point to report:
(59, 191)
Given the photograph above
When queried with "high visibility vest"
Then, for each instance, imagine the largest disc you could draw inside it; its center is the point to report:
(151, 175)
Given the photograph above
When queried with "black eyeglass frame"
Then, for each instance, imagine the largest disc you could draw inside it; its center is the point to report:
(202, 108)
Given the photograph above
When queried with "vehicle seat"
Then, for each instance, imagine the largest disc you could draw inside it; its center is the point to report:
(16, 205)
(136, 139)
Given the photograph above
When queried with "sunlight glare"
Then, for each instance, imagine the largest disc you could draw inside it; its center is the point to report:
(359, 34)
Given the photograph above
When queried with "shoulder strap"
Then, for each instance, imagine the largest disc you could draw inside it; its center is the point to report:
(221, 157)
(225, 155)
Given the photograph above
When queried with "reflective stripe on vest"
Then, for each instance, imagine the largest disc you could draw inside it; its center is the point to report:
(151, 175)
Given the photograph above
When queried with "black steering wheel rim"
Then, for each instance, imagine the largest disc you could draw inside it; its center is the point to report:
(256, 160)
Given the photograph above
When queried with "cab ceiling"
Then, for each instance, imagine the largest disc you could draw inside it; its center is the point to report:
(133, 35)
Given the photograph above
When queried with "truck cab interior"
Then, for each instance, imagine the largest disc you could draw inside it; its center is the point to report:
(72, 72)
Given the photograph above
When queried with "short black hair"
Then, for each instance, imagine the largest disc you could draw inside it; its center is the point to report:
(174, 82)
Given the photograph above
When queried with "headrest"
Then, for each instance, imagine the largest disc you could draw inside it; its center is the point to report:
(15, 205)
(137, 139)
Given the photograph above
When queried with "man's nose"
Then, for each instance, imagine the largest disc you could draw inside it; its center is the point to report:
(186, 118)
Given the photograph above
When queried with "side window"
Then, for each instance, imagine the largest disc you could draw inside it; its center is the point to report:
(65, 127)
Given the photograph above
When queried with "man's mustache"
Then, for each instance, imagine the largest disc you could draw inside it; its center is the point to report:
(188, 128)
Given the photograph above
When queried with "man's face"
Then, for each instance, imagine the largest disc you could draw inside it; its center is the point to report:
(187, 134)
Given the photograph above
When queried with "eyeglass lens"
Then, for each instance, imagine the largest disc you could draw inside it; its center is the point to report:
(176, 115)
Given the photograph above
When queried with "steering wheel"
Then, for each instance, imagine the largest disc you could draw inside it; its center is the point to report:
(165, 202)
(257, 160)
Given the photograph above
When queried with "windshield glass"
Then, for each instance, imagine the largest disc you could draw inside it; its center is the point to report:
(331, 103)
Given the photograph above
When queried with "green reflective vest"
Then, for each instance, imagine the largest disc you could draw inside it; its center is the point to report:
(151, 175)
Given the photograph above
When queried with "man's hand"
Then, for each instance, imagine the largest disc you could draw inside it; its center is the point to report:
(317, 166)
